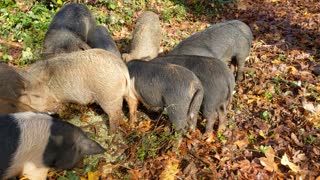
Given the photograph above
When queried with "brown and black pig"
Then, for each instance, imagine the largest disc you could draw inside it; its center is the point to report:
(31, 143)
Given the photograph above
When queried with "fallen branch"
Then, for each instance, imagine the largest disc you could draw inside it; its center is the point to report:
(12, 44)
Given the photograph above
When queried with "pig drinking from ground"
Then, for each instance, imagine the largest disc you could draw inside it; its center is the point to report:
(81, 77)
(229, 41)
(146, 38)
(68, 30)
(169, 86)
(31, 143)
(99, 37)
(218, 84)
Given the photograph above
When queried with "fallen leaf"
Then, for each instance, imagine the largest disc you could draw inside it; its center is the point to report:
(268, 162)
(285, 161)
(171, 170)
(93, 175)
(298, 157)
(296, 140)
(242, 143)
(190, 171)
(292, 70)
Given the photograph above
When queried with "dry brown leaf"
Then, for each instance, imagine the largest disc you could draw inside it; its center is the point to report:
(285, 161)
(298, 157)
(242, 144)
(171, 169)
(268, 162)
(296, 140)
(144, 126)
(135, 174)
(190, 171)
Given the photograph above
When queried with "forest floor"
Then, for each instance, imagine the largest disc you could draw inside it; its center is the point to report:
(274, 117)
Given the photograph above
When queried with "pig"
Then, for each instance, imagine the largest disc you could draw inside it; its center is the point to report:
(169, 86)
(68, 30)
(99, 37)
(8, 105)
(11, 87)
(218, 84)
(31, 143)
(229, 41)
(146, 38)
(81, 77)
(11, 82)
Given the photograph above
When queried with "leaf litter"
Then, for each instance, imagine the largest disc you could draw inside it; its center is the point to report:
(274, 118)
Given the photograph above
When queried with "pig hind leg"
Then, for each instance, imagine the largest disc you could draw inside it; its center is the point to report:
(113, 110)
(133, 106)
(210, 114)
(222, 111)
(194, 108)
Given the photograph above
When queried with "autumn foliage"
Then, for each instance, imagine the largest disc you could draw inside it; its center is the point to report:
(274, 117)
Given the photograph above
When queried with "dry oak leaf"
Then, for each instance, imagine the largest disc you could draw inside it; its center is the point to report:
(243, 143)
(268, 162)
(285, 161)
(171, 170)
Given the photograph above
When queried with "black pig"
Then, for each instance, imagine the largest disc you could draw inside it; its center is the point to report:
(169, 86)
(229, 41)
(99, 37)
(218, 84)
(68, 30)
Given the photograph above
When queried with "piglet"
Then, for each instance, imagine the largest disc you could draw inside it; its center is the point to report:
(31, 143)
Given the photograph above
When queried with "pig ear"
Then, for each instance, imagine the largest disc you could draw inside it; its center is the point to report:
(89, 147)
(27, 79)
(84, 46)
(125, 57)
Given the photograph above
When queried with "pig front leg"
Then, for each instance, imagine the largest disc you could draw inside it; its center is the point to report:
(240, 67)
(32, 172)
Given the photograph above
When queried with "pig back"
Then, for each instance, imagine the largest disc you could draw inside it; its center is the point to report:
(84, 76)
(74, 17)
(155, 83)
(146, 37)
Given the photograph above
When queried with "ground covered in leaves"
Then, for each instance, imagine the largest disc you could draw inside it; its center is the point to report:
(274, 118)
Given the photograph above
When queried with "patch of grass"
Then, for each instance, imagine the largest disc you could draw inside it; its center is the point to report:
(263, 148)
(26, 27)
(265, 115)
(310, 139)
(268, 95)
(152, 142)
(221, 138)
(252, 138)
